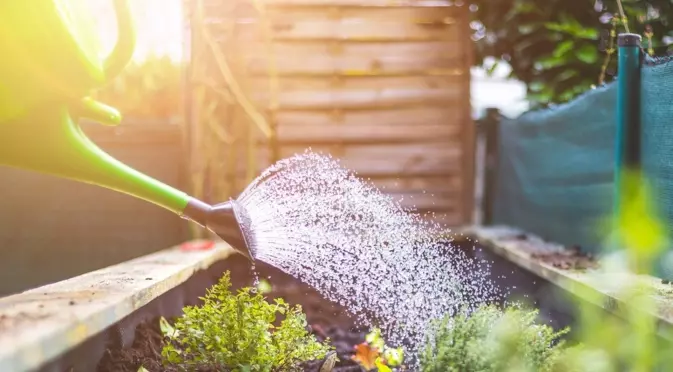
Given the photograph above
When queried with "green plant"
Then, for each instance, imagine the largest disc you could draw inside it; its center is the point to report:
(241, 332)
(492, 340)
(555, 46)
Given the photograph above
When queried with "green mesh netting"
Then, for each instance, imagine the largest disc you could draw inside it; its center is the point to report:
(555, 171)
(555, 174)
(657, 141)
(657, 132)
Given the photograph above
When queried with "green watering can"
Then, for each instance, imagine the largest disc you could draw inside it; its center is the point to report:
(50, 64)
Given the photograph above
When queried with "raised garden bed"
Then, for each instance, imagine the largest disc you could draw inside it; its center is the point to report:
(566, 269)
(325, 319)
(107, 320)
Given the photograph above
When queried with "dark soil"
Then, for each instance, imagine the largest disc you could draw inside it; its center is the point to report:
(571, 258)
(567, 261)
(325, 319)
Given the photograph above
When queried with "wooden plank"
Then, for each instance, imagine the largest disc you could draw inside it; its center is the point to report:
(412, 51)
(431, 16)
(376, 104)
(443, 202)
(418, 185)
(388, 118)
(413, 184)
(316, 63)
(41, 324)
(351, 60)
(259, 48)
(390, 97)
(362, 3)
(359, 28)
(385, 160)
(444, 219)
(370, 133)
(352, 74)
(290, 83)
(602, 288)
(380, 160)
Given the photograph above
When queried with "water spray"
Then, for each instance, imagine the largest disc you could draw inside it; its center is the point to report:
(49, 68)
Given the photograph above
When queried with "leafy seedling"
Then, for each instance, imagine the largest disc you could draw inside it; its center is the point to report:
(241, 332)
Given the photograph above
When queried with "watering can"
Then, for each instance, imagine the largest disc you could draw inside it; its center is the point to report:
(49, 67)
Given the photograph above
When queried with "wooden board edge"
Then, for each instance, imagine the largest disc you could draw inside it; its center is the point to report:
(502, 241)
(60, 316)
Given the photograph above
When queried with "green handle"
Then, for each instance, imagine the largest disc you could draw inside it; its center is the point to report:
(126, 40)
(47, 138)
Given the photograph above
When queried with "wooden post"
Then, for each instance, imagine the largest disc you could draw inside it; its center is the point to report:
(490, 130)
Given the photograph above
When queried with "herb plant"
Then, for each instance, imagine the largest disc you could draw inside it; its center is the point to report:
(241, 332)
(492, 340)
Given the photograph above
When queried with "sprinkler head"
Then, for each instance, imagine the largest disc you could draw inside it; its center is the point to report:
(228, 220)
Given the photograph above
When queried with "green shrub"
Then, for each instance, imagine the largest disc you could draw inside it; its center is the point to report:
(492, 340)
(241, 332)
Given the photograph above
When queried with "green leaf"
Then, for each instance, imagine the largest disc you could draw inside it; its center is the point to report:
(166, 329)
(587, 53)
(142, 369)
(264, 286)
(573, 28)
(536, 86)
(380, 367)
(491, 69)
(563, 48)
(551, 62)
(524, 7)
(565, 75)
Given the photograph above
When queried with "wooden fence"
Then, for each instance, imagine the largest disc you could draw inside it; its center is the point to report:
(382, 85)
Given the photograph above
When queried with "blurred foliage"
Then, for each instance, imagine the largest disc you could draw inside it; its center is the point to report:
(150, 90)
(558, 47)
(630, 341)
(626, 339)
(492, 340)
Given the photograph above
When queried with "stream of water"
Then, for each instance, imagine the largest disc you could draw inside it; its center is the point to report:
(319, 222)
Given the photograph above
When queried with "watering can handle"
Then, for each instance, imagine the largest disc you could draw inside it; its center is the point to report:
(126, 40)
(120, 56)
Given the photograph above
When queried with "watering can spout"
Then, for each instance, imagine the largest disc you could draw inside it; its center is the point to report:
(229, 220)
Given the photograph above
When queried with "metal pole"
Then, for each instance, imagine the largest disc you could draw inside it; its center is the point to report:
(627, 145)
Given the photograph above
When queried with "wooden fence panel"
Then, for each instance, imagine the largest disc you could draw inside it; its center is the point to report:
(381, 85)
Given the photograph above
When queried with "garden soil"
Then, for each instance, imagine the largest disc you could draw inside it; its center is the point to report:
(570, 258)
(325, 319)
